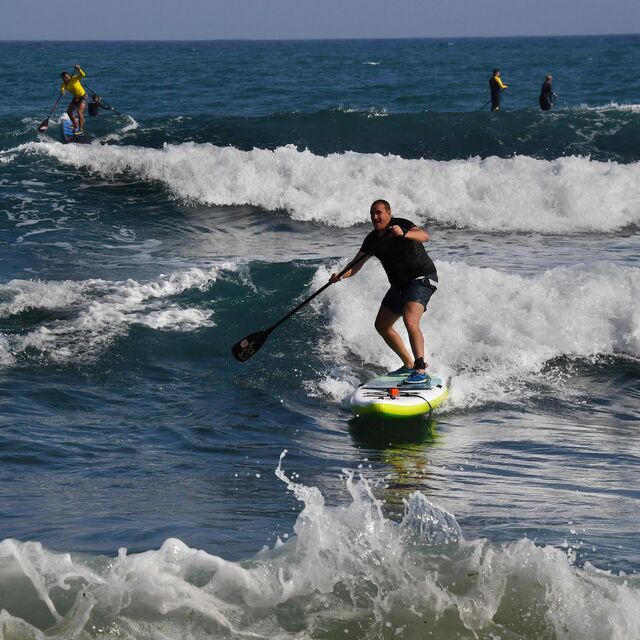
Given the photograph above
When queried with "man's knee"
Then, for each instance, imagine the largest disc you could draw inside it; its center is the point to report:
(412, 321)
(381, 327)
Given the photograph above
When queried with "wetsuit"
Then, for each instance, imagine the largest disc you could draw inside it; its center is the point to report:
(497, 86)
(547, 97)
(74, 87)
(94, 107)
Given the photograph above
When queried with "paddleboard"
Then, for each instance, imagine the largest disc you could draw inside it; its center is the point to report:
(388, 397)
(70, 135)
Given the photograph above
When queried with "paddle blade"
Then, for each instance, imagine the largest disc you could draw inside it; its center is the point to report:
(245, 348)
(44, 125)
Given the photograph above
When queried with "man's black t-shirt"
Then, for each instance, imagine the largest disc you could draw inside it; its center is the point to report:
(402, 259)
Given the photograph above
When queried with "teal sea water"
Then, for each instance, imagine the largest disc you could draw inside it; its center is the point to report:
(153, 487)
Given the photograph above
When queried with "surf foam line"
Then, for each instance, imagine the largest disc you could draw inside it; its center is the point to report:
(493, 332)
(89, 315)
(345, 571)
(566, 195)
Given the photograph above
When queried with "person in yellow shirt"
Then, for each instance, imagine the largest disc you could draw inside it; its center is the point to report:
(497, 86)
(79, 100)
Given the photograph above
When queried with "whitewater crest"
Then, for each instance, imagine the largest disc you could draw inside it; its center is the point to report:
(491, 332)
(76, 320)
(345, 571)
(566, 195)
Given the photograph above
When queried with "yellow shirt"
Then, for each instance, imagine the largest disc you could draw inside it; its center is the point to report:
(501, 84)
(74, 86)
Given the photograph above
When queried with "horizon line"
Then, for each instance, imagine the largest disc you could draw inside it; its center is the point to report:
(318, 38)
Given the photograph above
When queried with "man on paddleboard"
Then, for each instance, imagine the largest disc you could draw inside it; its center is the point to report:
(497, 86)
(397, 243)
(78, 102)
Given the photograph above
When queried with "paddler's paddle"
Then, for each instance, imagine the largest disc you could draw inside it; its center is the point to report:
(44, 125)
(249, 346)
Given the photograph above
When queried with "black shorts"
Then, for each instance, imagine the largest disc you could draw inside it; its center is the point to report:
(77, 101)
(418, 290)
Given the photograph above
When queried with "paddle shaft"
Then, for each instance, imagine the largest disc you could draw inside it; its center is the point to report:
(488, 101)
(45, 123)
(251, 344)
(353, 263)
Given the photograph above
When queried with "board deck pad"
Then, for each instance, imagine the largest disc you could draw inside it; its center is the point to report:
(69, 135)
(386, 382)
(374, 397)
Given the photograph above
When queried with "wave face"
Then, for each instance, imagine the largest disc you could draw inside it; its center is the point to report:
(605, 133)
(345, 570)
(568, 195)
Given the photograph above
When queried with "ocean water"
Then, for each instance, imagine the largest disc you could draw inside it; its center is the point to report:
(152, 487)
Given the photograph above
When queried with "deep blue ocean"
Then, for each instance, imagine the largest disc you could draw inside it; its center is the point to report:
(153, 487)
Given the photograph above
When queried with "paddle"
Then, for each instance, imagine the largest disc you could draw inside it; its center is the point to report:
(249, 346)
(484, 105)
(44, 125)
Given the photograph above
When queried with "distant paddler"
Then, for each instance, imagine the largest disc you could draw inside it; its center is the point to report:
(497, 86)
(547, 97)
(78, 102)
(96, 104)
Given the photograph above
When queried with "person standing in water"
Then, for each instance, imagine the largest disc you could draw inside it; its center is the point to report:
(398, 244)
(547, 97)
(496, 86)
(96, 104)
(79, 100)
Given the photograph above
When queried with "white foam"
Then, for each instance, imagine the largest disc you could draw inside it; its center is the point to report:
(493, 332)
(571, 194)
(90, 314)
(6, 359)
(130, 125)
(614, 106)
(347, 572)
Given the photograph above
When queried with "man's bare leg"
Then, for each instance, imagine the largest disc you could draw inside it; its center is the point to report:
(384, 326)
(411, 316)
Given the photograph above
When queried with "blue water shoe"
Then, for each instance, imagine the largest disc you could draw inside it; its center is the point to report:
(402, 371)
(418, 378)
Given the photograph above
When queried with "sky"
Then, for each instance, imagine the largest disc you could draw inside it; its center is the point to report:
(303, 19)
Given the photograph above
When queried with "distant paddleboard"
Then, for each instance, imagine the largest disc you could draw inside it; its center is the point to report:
(71, 135)
(388, 397)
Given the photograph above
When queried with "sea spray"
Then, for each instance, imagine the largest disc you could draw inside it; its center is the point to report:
(347, 569)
